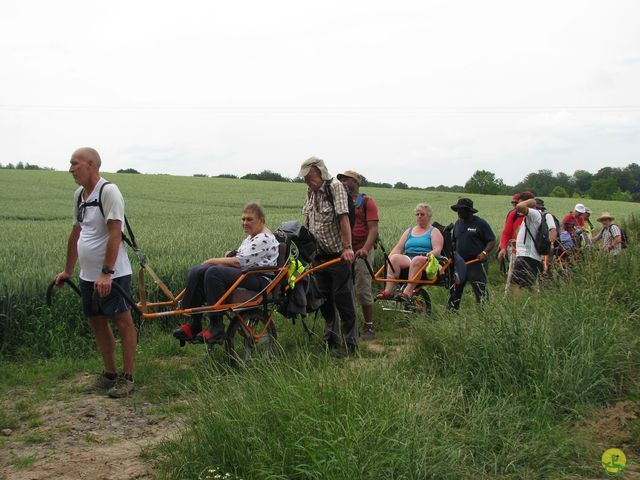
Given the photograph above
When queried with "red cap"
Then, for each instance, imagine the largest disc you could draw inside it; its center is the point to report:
(516, 197)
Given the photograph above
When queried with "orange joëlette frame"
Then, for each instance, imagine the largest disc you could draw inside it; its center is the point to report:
(416, 280)
(220, 305)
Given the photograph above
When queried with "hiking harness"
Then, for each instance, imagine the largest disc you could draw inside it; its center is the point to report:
(130, 240)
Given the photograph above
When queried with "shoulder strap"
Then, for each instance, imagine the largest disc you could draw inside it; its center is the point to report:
(131, 239)
(329, 193)
(100, 197)
(524, 221)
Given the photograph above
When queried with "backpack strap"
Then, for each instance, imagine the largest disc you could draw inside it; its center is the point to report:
(524, 221)
(329, 194)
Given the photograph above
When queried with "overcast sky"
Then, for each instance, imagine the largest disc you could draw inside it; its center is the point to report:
(424, 92)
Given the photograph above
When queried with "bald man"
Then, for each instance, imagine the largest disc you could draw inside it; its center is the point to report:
(96, 242)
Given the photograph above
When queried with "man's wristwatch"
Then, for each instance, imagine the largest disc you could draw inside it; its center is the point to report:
(108, 271)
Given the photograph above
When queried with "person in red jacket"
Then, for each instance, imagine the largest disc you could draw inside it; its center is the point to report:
(574, 219)
(511, 225)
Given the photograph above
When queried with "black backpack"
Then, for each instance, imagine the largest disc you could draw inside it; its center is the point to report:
(541, 241)
(350, 203)
(623, 235)
(296, 233)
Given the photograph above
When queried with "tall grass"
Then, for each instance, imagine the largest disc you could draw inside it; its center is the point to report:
(491, 392)
(178, 222)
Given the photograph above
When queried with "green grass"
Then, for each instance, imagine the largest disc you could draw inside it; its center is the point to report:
(491, 392)
(178, 222)
(24, 462)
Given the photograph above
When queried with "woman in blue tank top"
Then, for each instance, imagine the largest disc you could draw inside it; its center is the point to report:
(413, 250)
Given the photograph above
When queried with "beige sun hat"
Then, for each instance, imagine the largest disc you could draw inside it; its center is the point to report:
(314, 162)
(605, 215)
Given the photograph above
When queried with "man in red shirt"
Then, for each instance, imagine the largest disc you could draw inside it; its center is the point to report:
(574, 219)
(363, 236)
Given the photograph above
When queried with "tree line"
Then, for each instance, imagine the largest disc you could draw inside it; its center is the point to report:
(23, 166)
(608, 183)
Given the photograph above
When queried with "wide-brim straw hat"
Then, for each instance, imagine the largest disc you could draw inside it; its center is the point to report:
(605, 215)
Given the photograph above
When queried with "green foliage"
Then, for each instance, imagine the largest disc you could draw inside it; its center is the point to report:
(23, 166)
(603, 188)
(493, 392)
(401, 186)
(621, 196)
(128, 170)
(484, 182)
(540, 182)
(226, 175)
(559, 192)
(266, 175)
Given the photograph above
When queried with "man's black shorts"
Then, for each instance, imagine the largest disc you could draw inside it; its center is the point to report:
(526, 271)
(109, 306)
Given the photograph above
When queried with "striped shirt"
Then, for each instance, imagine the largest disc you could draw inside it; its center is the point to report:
(323, 221)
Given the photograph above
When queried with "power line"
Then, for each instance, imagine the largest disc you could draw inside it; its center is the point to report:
(309, 109)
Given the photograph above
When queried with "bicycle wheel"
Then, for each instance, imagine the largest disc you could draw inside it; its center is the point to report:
(423, 302)
(250, 334)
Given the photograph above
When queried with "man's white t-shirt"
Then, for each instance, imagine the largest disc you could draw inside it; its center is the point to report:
(92, 244)
(524, 240)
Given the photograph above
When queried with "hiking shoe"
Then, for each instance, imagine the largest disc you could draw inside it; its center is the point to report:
(344, 352)
(102, 382)
(123, 387)
(368, 334)
(214, 334)
(185, 333)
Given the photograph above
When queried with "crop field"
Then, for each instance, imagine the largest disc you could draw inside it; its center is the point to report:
(181, 220)
(502, 391)
(178, 221)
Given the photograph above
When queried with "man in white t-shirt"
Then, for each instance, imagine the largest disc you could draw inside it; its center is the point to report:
(96, 242)
(528, 264)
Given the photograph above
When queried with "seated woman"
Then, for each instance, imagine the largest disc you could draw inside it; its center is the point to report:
(413, 251)
(209, 281)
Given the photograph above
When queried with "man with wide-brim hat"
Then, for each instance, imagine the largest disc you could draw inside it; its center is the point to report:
(364, 236)
(611, 234)
(474, 239)
(326, 211)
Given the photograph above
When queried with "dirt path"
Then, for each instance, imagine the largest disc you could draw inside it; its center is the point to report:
(83, 437)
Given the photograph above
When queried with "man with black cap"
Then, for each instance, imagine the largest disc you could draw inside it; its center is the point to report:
(473, 239)
(326, 212)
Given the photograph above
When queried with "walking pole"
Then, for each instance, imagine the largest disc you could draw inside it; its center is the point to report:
(512, 261)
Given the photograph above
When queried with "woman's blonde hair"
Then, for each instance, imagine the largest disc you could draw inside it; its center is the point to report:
(256, 209)
(426, 208)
